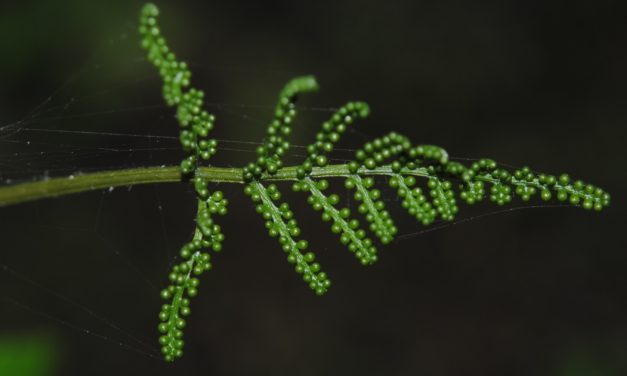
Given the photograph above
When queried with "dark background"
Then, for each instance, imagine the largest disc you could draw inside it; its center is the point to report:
(531, 292)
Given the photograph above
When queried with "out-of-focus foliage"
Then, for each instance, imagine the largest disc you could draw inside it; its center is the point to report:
(27, 355)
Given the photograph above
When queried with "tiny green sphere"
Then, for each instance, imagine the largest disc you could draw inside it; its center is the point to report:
(370, 163)
(272, 168)
(165, 294)
(353, 167)
(163, 327)
(321, 160)
(564, 179)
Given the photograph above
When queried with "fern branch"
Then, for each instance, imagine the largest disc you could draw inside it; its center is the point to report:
(351, 235)
(281, 224)
(183, 277)
(414, 201)
(80, 183)
(381, 223)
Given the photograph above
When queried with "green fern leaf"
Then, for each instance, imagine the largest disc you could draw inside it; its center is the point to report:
(280, 223)
(350, 233)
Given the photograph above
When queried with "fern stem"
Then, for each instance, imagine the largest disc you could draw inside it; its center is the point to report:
(30, 191)
(61, 186)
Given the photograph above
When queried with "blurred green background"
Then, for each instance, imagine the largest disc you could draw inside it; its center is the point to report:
(533, 292)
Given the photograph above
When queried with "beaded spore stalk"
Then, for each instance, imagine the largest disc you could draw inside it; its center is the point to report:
(393, 158)
(195, 123)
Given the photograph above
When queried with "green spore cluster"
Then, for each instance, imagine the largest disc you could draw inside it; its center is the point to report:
(275, 145)
(371, 205)
(348, 228)
(281, 224)
(330, 134)
(184, 276)
(413, 199)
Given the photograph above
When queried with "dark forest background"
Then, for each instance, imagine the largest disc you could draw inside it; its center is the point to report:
(530, 292)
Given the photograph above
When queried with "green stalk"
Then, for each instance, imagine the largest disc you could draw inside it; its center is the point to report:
(55, 187)
(31, 191)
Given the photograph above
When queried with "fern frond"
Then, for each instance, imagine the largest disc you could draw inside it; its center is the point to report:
(525, 184)
(274, 146)
(280, 223)
(348, 228)
(183, 277)
(350, 234)
(381, 151)
(269, 162)
(175, 75)
(330, 134)
(381, 224)
(414, 200)
(195, 124)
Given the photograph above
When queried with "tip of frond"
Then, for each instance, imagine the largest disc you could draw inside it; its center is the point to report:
(302, 84)
(150, 10)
